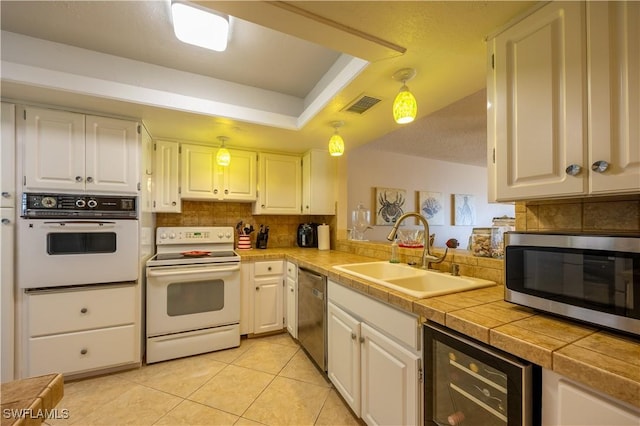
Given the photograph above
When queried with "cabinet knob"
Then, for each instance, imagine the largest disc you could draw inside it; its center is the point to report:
(173, 203)
(78, 178)
(353, 336)
(5, 194)
(600, 166)
(257, 288)
(215, 191)
(84, 310)
(291, 290)
(5, 221)
(262, 205)
(89, 179)
(268, 268)
(226, 191)
(362, 340)
(84, 351)
(573, 170)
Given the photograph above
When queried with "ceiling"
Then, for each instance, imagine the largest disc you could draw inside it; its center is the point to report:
(290, 70)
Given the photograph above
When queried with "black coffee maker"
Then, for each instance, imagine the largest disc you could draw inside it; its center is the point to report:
(308, 235)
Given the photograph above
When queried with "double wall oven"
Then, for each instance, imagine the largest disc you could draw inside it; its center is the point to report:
(193, 292)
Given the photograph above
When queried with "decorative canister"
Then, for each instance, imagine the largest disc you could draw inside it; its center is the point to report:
(244, 242)
(481, 242)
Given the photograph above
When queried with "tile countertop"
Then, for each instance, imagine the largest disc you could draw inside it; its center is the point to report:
(600, 359)
(31, 401)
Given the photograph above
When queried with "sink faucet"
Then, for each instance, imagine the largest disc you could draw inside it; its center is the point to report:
(427, 257)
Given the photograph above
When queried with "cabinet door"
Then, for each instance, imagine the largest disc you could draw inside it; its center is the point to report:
(54, 150)
(318, 183)
(240, 177)
(540, 83)
(279, 184)
(268, 313)
(166, 197)
(199, 172)
(7, 284)
(112, 160)
(343, 355)
(292, 307)
(390, 381)
(7, 156)
(614, 95)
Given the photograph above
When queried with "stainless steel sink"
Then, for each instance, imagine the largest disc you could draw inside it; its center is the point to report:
(415, 282)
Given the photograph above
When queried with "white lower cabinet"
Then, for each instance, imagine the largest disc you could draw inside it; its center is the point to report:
(92, 329)
(291, 300)
(374, 358)
(567, 403)
(267, 296)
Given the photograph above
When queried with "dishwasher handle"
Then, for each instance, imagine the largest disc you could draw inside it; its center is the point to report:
(312, 274)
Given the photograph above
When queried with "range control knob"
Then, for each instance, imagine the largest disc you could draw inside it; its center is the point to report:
(80, 203)
(163, 236)
(228, 235)
(92, 203)
(172, 236)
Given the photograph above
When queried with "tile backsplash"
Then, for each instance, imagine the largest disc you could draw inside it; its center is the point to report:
(282, 228)
(584, 215)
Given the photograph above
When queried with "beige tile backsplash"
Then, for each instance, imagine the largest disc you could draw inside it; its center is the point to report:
(598, 215)
(282, 228)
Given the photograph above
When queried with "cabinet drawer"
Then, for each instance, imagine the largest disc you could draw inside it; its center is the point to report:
(82, 351)
(268, 268)
(292, 270)
(68, 311)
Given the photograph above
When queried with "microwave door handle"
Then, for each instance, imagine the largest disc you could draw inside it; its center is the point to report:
(167, 273)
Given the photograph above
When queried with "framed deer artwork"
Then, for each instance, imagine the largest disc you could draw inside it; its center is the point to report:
(390, 205)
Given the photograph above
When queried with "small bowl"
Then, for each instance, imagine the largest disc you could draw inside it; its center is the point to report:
(411, 238)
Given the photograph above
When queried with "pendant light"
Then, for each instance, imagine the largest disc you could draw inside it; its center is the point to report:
(405, 106)
(336, 144)
(223, 157)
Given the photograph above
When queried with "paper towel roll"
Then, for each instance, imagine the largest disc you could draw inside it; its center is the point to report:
(324, 240)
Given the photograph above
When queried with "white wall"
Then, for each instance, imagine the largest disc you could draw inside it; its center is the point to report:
(368, 168)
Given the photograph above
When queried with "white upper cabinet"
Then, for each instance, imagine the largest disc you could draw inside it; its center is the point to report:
(65, 151)
(318, 183)
(563, 103)
(203, 179)
(7, 156)
(614, 96)
(166, 185)
(279, 184)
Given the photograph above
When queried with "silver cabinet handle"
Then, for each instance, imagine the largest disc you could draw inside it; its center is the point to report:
(5, 194)
(78, 178)
(573, 170)
(89, 179)
(6, 221)
(83, 351)
(600, 166)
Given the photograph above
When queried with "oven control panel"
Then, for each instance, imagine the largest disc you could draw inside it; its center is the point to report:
(194, 235)
(73, 205)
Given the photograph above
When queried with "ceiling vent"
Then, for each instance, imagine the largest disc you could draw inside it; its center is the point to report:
(362, 104)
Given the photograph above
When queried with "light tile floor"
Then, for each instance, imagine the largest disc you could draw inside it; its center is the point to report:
(268, 381)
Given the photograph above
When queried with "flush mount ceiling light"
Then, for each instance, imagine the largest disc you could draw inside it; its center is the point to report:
(336, 144)
(199, 26)
(223, 157)
(405, 106)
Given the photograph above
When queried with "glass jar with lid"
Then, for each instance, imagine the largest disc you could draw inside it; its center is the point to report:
(481, 242)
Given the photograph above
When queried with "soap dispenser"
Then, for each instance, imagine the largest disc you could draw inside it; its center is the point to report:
(395, 257)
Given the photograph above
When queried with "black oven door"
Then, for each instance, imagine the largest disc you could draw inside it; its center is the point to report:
(468, 383)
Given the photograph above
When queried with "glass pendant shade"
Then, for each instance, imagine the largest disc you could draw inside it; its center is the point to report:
(405, 106)
(223, 157)
(336, 145)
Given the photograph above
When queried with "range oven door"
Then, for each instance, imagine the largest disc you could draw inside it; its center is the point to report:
(64, 252)
(469, 383)
(184, 298)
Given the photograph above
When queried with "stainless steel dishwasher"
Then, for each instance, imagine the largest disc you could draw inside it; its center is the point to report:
(312, 315)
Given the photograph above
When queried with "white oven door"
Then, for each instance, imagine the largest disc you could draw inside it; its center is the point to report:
(183, 298)
(62, 252)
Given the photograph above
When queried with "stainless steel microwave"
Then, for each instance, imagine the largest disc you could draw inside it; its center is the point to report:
(591, 278)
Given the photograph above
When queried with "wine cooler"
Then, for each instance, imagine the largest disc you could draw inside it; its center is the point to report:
(468, 383)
